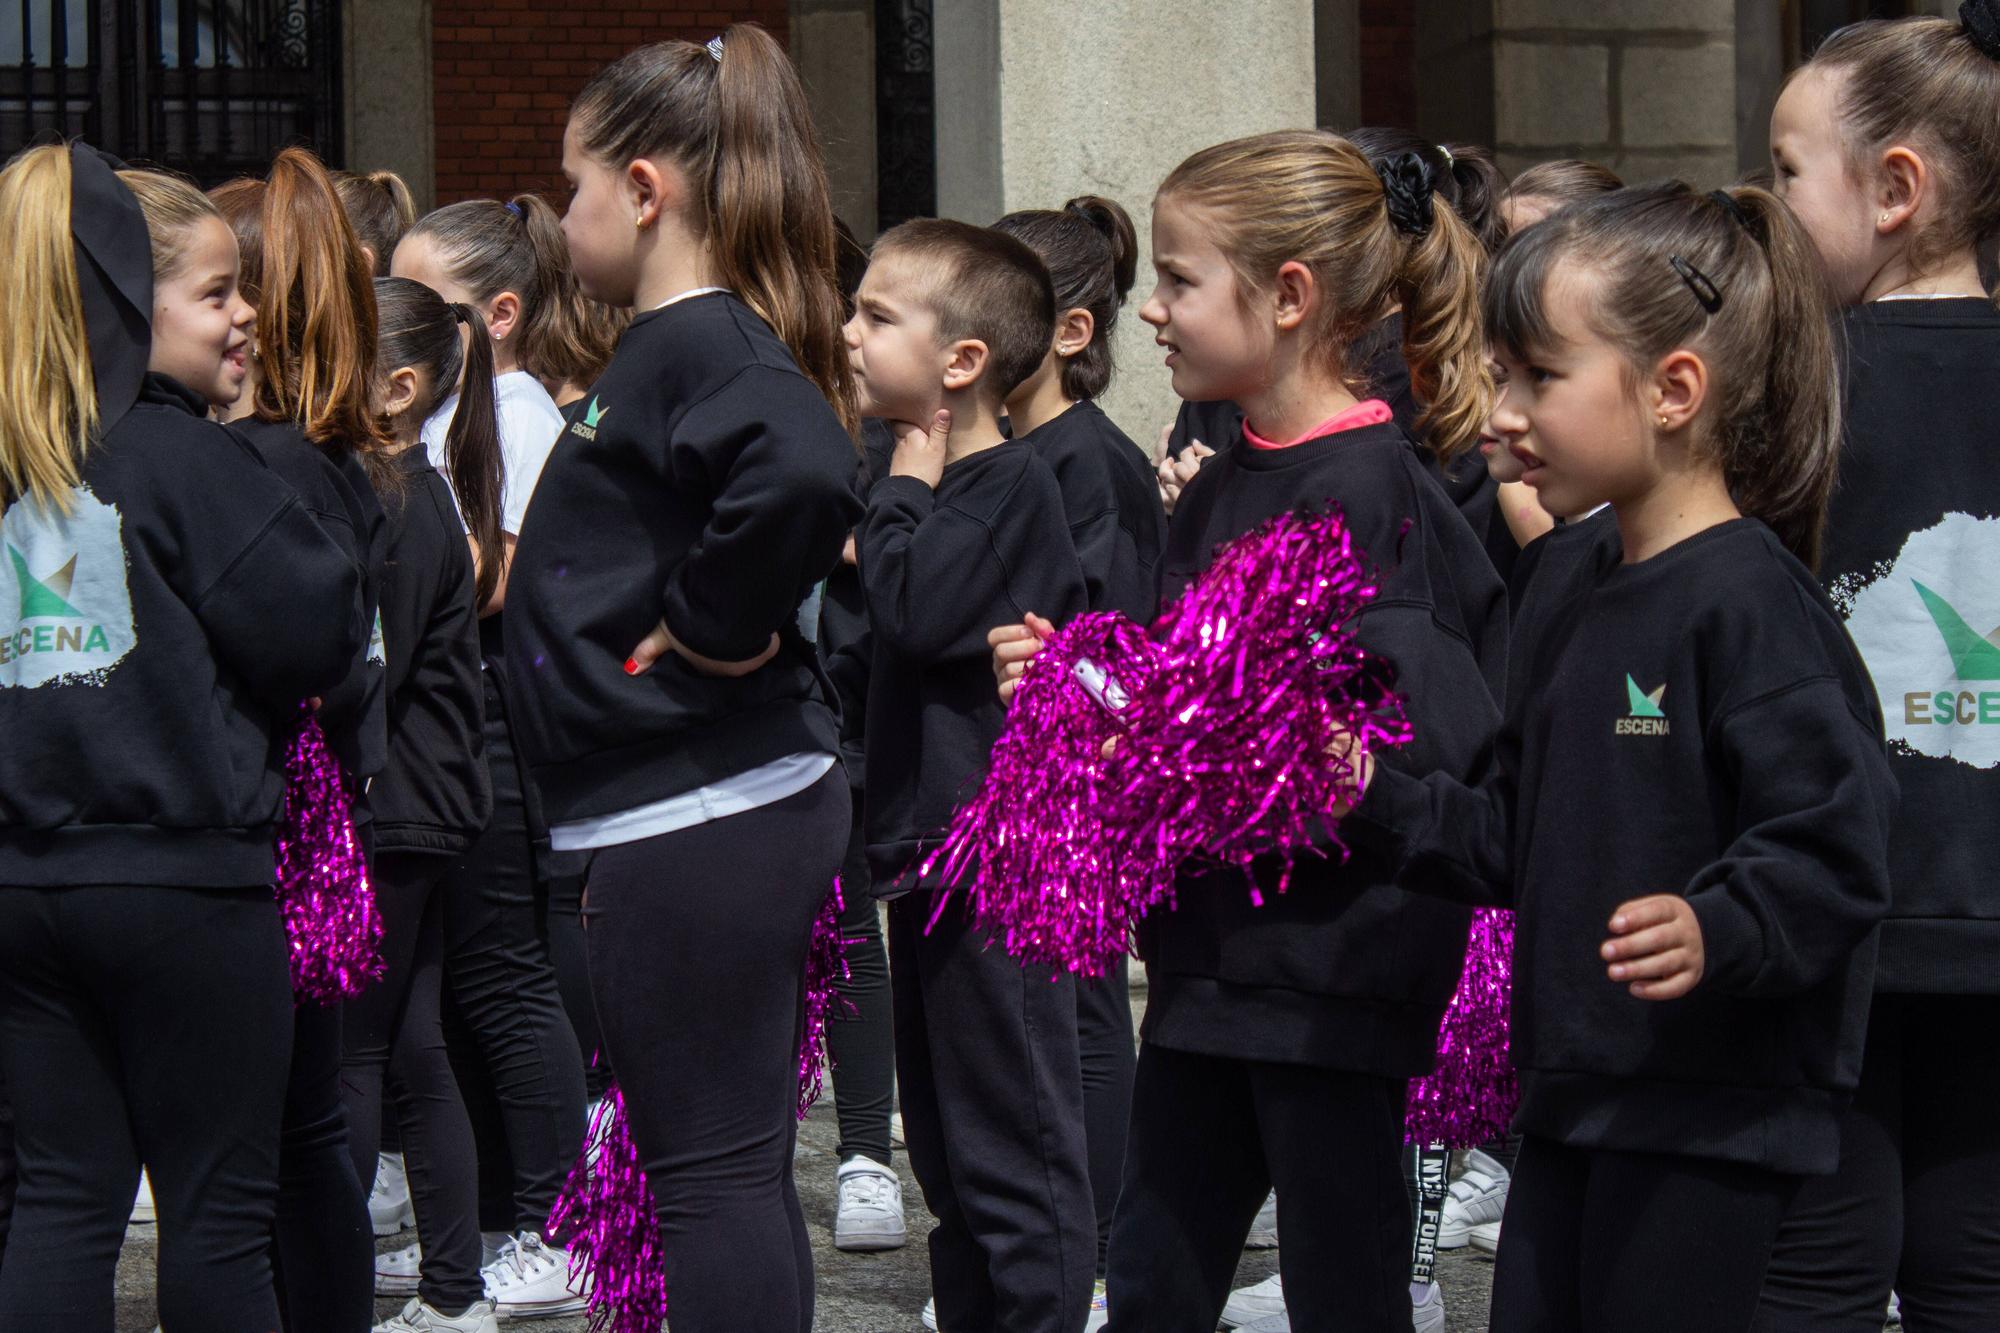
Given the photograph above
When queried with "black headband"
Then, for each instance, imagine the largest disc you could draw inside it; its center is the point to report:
(1406, 192)
(114, 269)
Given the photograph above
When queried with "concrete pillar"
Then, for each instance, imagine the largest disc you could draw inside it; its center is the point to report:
(1041, 100)
(833, 46)
(387, 78)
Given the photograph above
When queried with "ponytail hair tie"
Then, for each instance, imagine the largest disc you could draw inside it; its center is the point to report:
(519, 213)
(714, 49)
(1981, 21)
(1727, 203)
(1450, 162)
(1406, 193)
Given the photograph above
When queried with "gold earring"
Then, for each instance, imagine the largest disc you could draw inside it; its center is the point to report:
(1663, 421)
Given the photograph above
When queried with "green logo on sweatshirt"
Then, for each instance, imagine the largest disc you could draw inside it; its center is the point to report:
(586, 429)
(1972, 657)
(73, 619)
(1644, 716)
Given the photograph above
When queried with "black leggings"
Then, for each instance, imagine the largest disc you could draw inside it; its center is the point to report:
(154, 1025)
(1109, 1057)
(861, 1038)
(1210, 1137)
(1595, 1239)
(503, 987)
(562, 925)
(323, 1252)
(395, 1023)
(1912, 1205)
(10, 1171)
(697, 959)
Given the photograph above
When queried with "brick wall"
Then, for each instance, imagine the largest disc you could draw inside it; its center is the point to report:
(1388, 62)
(504, 71)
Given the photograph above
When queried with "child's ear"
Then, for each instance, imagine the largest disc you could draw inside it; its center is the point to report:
(1678, 390)
(1902, 188)
(502, 313)
(650, 189)
(399, 392)
(1074, 329)
(1296, 291)
(965, 362)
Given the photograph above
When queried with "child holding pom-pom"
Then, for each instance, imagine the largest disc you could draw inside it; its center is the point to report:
(1280, 1034)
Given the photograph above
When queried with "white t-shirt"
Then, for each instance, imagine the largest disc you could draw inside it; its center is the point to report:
(530, 424)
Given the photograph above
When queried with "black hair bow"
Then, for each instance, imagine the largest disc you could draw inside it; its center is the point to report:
(1406, 192)
(1981, 20)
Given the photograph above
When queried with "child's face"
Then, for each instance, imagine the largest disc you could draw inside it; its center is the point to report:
(201, 323)
(1811, 173)
(892, 343)
(1216, 347)
(600, 226)
(1569, 413)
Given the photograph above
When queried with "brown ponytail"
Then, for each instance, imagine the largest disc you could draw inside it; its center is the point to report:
(304, 270)
(381, 209)
(1754, 303)
(739, 127)
(1092, 254)
(1314, 198)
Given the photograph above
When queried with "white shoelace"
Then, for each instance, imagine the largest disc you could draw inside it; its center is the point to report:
(523, 1259)
(870, 1190)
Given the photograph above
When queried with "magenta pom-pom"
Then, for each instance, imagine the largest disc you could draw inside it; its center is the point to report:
(1470, 1097)
(1040, 870)
(605, 1217)
(1245, 743)
(826, 967)
(334, 931)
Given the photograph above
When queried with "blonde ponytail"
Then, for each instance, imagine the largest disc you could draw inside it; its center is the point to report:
(48, 398)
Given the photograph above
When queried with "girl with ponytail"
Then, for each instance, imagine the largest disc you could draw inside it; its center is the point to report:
(663, 678)
(1691, 798)
(1887, 145)
(168, 602)
(1273, 254)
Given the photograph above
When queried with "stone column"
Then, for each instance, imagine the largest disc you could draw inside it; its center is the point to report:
(1041, 100)
(1648, 87)
(387, 77)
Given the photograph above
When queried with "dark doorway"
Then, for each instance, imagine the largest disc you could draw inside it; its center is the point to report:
(212, 88)
(905, 112)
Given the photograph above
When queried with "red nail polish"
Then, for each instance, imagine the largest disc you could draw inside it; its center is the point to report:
(631, 666)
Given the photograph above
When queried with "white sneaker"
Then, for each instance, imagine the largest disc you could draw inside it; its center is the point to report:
(1485, 1237)
(142, 1202)
(389, 1201)
(396, 1271)
(930, 1315)
(1264, 1231)
(530, 1280)
(420, 1318)
(870, 1211)
(1247, 1305)
(1479, 1195)
(1427, 1307)
(1895, 1311)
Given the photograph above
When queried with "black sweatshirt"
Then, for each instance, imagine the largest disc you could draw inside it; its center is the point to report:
(940, 569)
(154, 648)
(336, 491)
(1697, 724)
(1912, 543)
(434, 794)
(1344, 971)
(845, 645)
(1112, 500)
(707, 483)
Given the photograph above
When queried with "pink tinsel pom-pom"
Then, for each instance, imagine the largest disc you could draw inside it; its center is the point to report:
(1040, 871)
(1470, 1097)
(334, 931)
(826, 966)
(1241, 748)
(605, 1217)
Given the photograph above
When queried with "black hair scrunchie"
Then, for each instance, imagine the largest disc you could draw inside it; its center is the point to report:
(1406, 193)
(1981, 21)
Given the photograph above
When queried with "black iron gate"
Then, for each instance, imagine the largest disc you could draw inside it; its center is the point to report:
(905, 112)
(213, 88)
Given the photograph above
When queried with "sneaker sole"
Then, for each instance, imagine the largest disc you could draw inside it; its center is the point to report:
(869, 1244)
(1261, 1240)
(396, 1224)
(546, 1310)
(395, 1286)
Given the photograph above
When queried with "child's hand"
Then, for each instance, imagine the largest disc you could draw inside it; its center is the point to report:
(661, 642)
(920, 450)
(1345, 749)
(1014, 646)
(1177, 473)
(1655, 947)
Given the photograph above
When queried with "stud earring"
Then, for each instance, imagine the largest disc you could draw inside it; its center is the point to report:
(1663, 421)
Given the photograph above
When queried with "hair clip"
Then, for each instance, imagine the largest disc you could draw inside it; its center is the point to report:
(1699, 283)
(1450, 162)
(714, 49)
(1727, 202)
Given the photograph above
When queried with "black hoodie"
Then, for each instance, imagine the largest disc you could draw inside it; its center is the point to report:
(1696, 723)
(1112, 501)
(1345, 970)
(709, 484)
